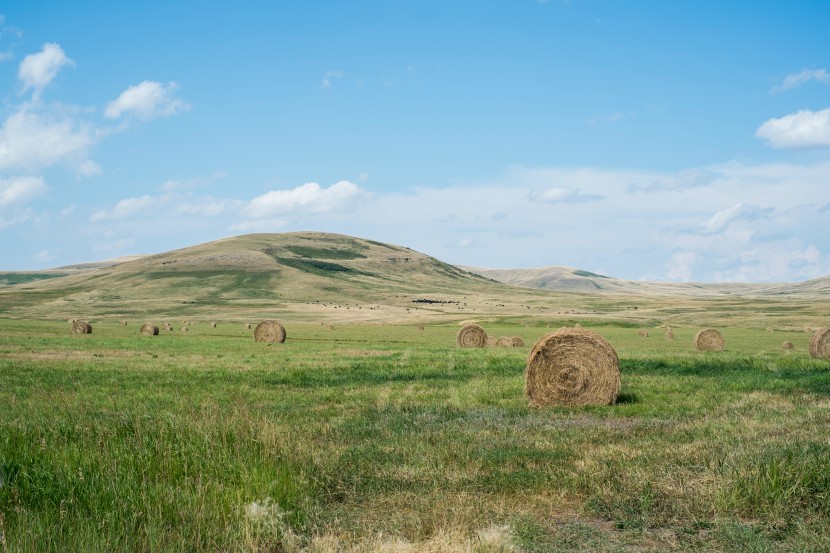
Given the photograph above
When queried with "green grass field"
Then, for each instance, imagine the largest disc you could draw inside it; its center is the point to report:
(386, 438)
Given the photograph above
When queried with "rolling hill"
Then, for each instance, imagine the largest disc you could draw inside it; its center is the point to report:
(330, 278)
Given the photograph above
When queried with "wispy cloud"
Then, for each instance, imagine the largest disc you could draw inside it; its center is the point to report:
(795, 80)
(308, 198)
(803, 129)
(563, 195)
(147, 100)
(328, 76)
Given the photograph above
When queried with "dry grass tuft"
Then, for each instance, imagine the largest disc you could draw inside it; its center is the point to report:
(572, 367)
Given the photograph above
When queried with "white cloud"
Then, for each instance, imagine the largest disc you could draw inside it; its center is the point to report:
(308, 198)
(37, 70)
(680, 265)
(20, 190)
(794, 80)
(329, 76)
(166, 206)
(147, 100)
(804, 129)
(32, 141)
(561, 194)
(722, 219)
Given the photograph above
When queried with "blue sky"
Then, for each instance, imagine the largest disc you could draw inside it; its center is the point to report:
(644, 140)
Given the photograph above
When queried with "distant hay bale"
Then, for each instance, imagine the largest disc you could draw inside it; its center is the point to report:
(578, 325)
(669, 334)
(518, 342)
(572, 367)
(124, 323)
(330, 327)
(269, 331)
(166, 326)
(491, 341)
(184, 329)
(644, 333)
(471, 336)
(149, 329)
(504, 342)
(787, 345)
(820, 344)
(212, 325)
(709, 339)
(770, 330)
(81, 327)
(248, 326)
(419, 327)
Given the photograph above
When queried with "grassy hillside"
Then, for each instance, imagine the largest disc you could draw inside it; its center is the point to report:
(327, 278)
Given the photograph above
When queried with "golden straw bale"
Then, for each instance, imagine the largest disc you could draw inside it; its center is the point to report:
(518, 342)
(269, 331)
(709, 339)
(504, 342)
(787, 345)
(572, 367)
(81, 327)
(820, 344)
(471, 336)
(149, 329)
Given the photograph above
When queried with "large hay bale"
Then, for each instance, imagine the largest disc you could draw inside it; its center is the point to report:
(572, 367)
(518, 342)
(269, 331)
(709, 339)
(787, 345)
(471, 336)
(820, 344)
(149, 329)
(504, 342)
(212, 325)
(81, 327)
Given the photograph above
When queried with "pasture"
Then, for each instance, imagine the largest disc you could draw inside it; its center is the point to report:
(388, 438)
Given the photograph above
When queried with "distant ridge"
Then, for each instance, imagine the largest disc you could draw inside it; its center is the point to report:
(568, 279)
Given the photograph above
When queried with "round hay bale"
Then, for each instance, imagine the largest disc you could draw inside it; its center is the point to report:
(709, 339)
(572, 367)
(81, 327)
(419, 327)
(669, 335)
(330, 327)
(269, 331)
(471, 336)
(123, 323)
(183, 329)
(212, 325)
(787, 345)
(518, 342)
(248, 326)
(166, 326)
(71, 321)
(770, 330)
(820, 344)
(504, 342)
(491, 341)
(644, 333)
(149, 329)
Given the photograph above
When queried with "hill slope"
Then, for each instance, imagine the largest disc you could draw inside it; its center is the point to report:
(567, 279)
(330, 278)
